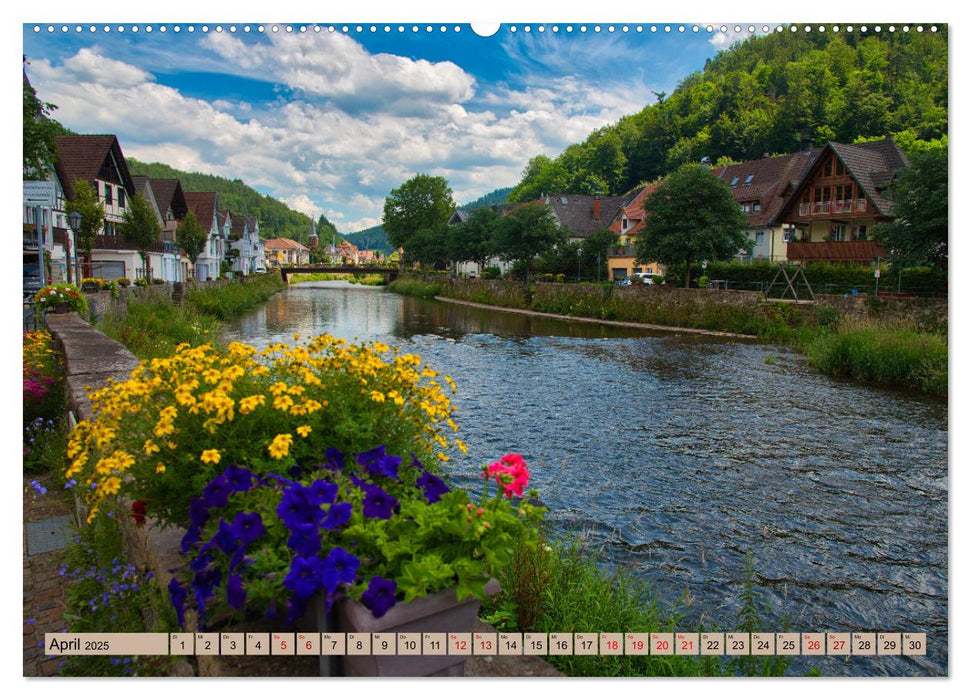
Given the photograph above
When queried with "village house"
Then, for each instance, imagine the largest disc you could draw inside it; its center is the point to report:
(164, 258)
(286, 251)
(757, 186)
(98, 159)
(244, 238)
(628, 224)
(204, 204)
(171, 203)
(829, 214)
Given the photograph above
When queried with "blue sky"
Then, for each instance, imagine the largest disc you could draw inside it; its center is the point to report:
(330, 121)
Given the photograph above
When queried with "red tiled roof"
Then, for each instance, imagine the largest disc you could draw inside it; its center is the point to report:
(284, 244)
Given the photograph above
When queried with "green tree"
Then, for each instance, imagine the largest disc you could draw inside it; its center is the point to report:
(422, 203)
(191, 237)
(429, 247)
(474, 240)
(40, 148)
(526, 232)
(141, 227)
(594, 252)
(92, 213)
(918, 232)
(692, 215)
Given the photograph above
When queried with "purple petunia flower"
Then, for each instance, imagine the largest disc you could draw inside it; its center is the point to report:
(177, 595)
(248, 527)
(339, 567)
(379, 596)
(304, 541)
(216, 493)
(433, 487)
(235, 593)
(225, 538)
(322, 491)
(377, 503)
(238, 478)
(379, 463)
(338, 515)
(190, 538)
(335, 459)
(38, 487)
(198, 512)
(297, 509)
(305, 576)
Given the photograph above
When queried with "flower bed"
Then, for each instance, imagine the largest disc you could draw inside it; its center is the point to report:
(298, 471)
(61, 297)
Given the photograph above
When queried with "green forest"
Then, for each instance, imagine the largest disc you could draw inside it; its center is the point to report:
(772, 94)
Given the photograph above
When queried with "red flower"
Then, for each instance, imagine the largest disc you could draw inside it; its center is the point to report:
(138, 510)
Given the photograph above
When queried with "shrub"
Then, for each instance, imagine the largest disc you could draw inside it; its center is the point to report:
(491, 273)
(123, 282)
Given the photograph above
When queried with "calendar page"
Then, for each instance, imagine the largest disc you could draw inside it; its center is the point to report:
(548, 348)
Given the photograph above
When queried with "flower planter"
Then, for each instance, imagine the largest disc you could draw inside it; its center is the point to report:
(439, 612)
(61, 309)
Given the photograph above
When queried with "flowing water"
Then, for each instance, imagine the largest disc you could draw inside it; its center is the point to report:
(680, 455)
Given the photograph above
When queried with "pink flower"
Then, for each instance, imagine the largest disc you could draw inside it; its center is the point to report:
(510, 473)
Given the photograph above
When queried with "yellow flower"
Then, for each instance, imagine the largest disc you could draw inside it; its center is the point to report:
(210, 456)
(282, 403)
(250, 403)
(110, 485)
(159, 468)
(304, 430)
(377, 396)
(149, 447)
(280, 447)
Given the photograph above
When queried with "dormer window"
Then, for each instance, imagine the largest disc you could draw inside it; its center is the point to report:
(748, 179)
(734, 181)
(756, 206)
(624, 223)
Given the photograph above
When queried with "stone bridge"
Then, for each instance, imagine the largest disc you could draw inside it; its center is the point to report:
(389, 272)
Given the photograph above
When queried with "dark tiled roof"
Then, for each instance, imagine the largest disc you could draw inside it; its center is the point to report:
(238, 226)
(169, 195)
(767, 186)
(873, 165)
(458, 216)
(204, 206)
(82, 157)
(576, 212)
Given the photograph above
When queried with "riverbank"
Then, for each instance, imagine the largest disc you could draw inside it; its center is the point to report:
(899, 343)
(152, 325)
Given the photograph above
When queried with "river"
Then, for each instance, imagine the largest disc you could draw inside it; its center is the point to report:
(680, 454)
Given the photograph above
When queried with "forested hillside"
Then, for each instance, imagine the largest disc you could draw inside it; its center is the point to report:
(276, 218)
(773, 94)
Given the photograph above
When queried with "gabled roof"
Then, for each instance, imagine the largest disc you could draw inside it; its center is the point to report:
(769, 178)
(204, 206)
(89, 157)
(458, 216)
(576, 212)
(143, 186)
(169, 195)
(872, 165)
(284, 244)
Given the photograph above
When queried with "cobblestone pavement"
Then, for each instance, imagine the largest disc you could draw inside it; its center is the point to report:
(43, 592)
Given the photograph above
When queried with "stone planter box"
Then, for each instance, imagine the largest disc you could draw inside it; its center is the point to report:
(439, 612)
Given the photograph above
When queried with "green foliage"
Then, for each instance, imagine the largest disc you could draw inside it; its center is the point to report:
(191, 237)
(411, 286)
(422, 203)
(276, 219)
(526, 232)
(776, 93)
(693, 217)
(494, 198)
(892, 355)
(141, 227)
(475, 238)
(373, 238)
(918, 233)
(40, 148)
(229, 300)
(92, 213)
(54, 296)
(108, 594)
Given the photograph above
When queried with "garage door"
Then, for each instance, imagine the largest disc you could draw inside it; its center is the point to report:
(108, 270)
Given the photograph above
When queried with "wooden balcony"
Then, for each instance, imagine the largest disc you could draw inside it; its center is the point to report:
(836, 251)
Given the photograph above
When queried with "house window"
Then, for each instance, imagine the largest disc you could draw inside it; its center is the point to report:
(838, 232)
(107, 193)
(747, 207)
(121, 196)
(759, 237)
(756, 206)
(624, 223)
(840, 168)
(859, 233)
(734, 181)
(748, 179)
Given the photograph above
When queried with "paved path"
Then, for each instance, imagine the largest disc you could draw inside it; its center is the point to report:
(602, 322)
(43, 593)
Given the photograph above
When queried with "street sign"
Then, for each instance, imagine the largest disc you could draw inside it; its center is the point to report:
(39, 193)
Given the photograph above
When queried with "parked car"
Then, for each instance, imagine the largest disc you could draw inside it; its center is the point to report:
(647, 278)
(624, 282)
